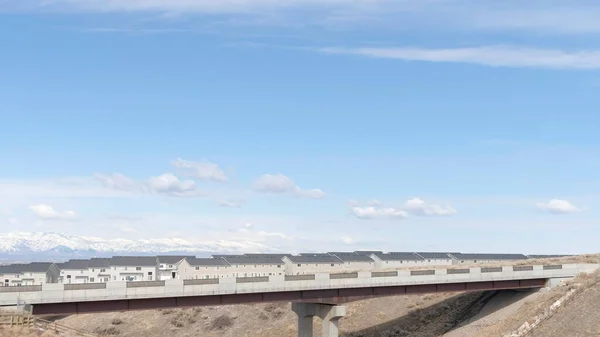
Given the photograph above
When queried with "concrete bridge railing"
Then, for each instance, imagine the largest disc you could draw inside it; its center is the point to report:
(63, 293)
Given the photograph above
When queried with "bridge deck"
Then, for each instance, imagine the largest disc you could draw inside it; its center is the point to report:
(318, 288)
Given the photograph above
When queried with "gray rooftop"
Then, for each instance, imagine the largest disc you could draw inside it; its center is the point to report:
(74, 265)
(35, 267)
(253, 260)
(99, 263)
(546, 256)
(314, 259)
(133, 261)
(399, 256)
(220, 256)
(206, 262)
(460, 256)
(351, 257)
(269, 256)
(313, 254)
(172, 259)
(435, 255)
(368, 252)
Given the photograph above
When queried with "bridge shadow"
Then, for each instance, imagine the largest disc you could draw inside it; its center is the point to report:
(445, 316)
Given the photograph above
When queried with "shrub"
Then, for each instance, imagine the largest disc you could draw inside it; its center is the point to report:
(112, 331)
(221, 323)
(177, 323)
(116, 321)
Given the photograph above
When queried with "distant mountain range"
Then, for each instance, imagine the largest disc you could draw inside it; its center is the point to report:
(28, 246)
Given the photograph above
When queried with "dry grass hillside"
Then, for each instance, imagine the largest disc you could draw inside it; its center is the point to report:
(365, 318)
(580, 312)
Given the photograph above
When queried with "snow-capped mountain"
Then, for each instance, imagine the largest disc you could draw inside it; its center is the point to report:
(52, 245)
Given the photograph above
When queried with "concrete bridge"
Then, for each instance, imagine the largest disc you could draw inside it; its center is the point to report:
(311, 295)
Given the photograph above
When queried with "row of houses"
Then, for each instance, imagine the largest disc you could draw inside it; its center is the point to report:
(151, 268)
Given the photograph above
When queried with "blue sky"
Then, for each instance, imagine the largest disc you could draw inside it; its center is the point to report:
(304, 125)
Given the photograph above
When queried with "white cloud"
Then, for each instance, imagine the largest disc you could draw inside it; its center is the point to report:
(46, 212)
(278, 183)
(557, 206)
(419, 207)
(372, 212)
(165, 184)
(496, 56)
(229, 203)
(347, 240)
(415, 206)
(116, 181)
(200, 170)
(170, 185)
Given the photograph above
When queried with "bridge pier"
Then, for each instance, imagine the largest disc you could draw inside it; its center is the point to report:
(330, 314)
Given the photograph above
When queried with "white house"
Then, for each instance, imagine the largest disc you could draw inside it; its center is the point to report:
(459, 258)
(95, 270)
(168, 266)
(436, 258)
(134, 268)
(194, 268)
(397, 260)
(36, 273)
(312, 263)
(255, 265)
(354, 262)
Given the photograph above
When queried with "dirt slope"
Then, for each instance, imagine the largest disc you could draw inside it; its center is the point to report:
(580, 317)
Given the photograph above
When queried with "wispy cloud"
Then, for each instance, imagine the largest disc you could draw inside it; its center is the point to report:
(414, 206)
(46, 212)
(278, 183)
(496, 56)
(546, 16)
(136, 30)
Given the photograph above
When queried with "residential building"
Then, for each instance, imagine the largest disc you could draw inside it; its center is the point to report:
(168, 266)
(436, 258)
(311, 264)
(194, 268)
(75, 271)
(35, 273)
(354, 262)
(459, 258)
(99, 269)
(255, 265)
(397, 260)
(134, 268)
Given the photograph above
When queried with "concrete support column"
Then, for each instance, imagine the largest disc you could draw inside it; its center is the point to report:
(305, 312)
(330, 314)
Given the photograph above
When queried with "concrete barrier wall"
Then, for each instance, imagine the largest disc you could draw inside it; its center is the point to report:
(58, 293)
(16, 289)
(145, 284)
(85, 286)
(384, 274)
(342, 276)
(306, 277)
(200, 281)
